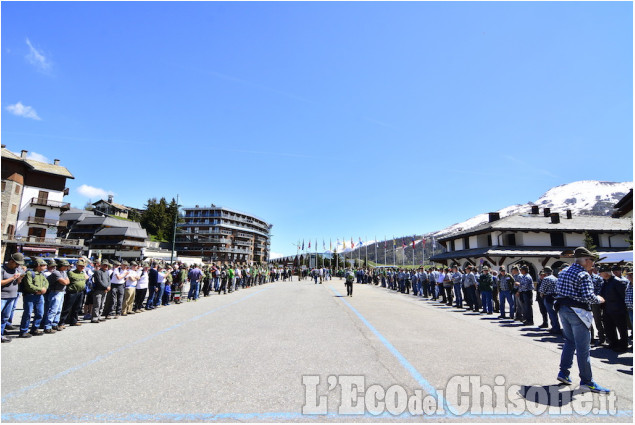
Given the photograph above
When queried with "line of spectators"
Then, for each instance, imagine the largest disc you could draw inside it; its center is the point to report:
(512, 295)
(56, 294)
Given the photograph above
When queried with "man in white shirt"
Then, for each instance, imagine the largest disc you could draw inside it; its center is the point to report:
(117, 282)
(131, 288)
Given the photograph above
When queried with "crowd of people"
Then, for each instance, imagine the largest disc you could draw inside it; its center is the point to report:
(57, 294)
(512, 294)
(586, 304)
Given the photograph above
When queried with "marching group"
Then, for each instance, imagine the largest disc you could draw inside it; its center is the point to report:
(57, 294)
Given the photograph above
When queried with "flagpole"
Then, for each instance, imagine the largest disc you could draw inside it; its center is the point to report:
(376, 259)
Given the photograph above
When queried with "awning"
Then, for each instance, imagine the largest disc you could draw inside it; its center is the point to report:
(36, 249)
(616, 257)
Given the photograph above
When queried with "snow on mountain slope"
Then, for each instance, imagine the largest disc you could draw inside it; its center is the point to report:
(586, 197)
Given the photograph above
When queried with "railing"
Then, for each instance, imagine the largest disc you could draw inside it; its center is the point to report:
(39, 240)
(45, 221)
(49, 203)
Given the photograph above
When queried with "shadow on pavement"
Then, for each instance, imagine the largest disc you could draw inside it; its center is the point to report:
(548, 395)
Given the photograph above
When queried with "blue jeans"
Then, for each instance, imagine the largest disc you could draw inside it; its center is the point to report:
(458, 295)
(32, 302)
(506, 295)
(216, 283)
(193, 293)
(553, 316)
(577, 339)
(7, 308)
(486, 297)
(158, 296)
(528, 311)
(52, 316)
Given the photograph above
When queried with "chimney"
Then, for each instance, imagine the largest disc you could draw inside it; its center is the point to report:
(555, 218)
(110, 199)
(493, 216)
(547, 211)
(56, 162)
(535, 209)
(4, 146)
(23, 154)
(569, 215)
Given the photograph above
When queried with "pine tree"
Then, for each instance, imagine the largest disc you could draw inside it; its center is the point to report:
(588, 242)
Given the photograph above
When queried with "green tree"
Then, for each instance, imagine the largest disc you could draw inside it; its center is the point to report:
(588, 242)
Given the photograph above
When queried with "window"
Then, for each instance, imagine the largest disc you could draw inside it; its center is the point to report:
(37, 232)
(42, 197)
(40, 213)
(10, 230)
(4, 185)
(452, 246)
(557, 238)
(489, 240)
(17, 189)
(466, 243)
(511, 239)
(14, 209)
(595, 237)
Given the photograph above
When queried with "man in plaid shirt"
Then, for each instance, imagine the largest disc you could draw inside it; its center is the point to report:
(525, 284)
(548, 291)
(574, 295)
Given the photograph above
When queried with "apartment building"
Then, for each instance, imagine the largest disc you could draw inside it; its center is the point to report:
(223, 235)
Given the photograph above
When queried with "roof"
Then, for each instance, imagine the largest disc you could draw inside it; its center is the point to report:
(42, 167)
(75, 214)
(214, 207)
(533, 223)
(122, 231)
(109, 222)
(114, 204)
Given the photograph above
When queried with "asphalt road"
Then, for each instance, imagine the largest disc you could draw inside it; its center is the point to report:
(256, 356)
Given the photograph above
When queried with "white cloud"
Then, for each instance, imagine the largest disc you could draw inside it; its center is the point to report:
(38, 157)
(93, 192)
(274, 255)
(36, 58)
(23, 111)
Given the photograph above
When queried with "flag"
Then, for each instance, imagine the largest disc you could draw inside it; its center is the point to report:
(309, 244)
(352, 243)
(323, 245)
(343, 242)
(413, 242)
(302, 244)
(360, 242)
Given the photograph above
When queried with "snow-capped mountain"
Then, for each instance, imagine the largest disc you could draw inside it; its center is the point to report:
(587, 197)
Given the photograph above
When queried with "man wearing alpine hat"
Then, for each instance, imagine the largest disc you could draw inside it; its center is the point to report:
(574, 296)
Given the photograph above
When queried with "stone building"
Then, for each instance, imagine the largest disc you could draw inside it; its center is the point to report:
(32, 201)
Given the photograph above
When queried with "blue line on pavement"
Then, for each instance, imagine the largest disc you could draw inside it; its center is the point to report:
(254, 417)
(405, 363)
(125, 347)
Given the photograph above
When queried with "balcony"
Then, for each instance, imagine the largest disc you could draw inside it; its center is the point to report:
(46, 221)
(53, 204)
(242, 243)
(43, 241)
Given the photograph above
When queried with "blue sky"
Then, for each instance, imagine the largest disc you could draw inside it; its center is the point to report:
(326, 119)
